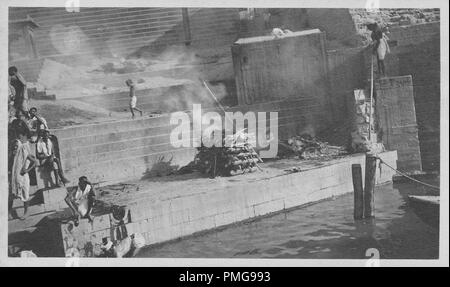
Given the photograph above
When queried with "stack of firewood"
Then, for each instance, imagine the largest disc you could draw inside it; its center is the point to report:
(308, 147)
(234, 156)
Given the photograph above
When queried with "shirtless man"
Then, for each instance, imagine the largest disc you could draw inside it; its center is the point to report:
(133, 98)
(36, 123)
(47, 158)
(81, 200)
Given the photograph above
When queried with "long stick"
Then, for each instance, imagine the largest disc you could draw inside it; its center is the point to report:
(217, 101)
(223, 109)
(213, 96)
(371, 99)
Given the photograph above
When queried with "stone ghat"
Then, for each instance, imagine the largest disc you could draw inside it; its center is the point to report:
(167, 208)
(141, 148)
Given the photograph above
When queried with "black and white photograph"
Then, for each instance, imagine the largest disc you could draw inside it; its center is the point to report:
(209, 133)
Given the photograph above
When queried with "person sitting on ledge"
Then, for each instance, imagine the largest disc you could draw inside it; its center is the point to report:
(81, 200)
(47, 158)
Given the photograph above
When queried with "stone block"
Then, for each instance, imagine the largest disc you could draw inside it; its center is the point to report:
(54, 198)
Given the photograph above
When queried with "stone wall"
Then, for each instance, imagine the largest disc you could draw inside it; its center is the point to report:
(346, 72)
(415, 51)
(173, 215)
(397, 119)
(364, 131)
(337, 24)
(288, 68)
(392, 18)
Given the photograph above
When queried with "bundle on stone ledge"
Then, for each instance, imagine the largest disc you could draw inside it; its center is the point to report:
(234, 156)
(307, 147)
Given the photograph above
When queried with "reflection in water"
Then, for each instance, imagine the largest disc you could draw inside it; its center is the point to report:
(325, 230)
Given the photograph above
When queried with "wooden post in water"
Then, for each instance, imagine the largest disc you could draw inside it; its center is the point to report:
(358, 192)
(369, 186)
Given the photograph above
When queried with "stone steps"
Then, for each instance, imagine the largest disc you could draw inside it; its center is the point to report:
(133, 167)
(129, 146)
(84, 142)
(136, 148)
(31, 221)
(32, 210)
(111, 97)
(153, 137)
(117, 155)
(74, 132)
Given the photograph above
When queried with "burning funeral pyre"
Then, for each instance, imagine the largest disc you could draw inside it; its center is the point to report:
(234, 155)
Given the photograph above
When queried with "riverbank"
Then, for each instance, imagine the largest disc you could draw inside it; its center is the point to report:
(172, 207)
(325, 230)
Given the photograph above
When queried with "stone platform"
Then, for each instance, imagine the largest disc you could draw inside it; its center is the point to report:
(170, 207)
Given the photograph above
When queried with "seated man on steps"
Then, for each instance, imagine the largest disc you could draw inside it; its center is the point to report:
(81, 200)
(47, 158)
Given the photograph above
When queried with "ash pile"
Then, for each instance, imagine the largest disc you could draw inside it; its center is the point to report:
(308, 147)
(234, 155)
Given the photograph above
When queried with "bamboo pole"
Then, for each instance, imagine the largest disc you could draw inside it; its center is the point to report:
(371, 99)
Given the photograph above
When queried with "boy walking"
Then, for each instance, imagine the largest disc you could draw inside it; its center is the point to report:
(133, 98)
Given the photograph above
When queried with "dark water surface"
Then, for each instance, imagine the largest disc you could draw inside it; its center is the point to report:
(325, 230)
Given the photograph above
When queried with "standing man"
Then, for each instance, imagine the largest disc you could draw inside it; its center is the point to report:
(24, 161)
(20, 86)
(379, 46)
(36, 123)
(47, 158)
(133, 98)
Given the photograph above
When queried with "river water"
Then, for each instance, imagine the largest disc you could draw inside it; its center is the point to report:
(325, 230)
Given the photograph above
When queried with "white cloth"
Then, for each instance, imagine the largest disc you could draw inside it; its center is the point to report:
(45, 148)
(21, 183)
(383, 48)
(81, 199)
(11, 94)
(278, 33)
(80, 194)
(133, 102)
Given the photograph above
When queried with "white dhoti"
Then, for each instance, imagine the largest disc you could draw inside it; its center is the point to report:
(133, 101)
(382, 49)
(20, 184)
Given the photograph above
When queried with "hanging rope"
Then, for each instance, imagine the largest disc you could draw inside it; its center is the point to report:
(408, 177)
